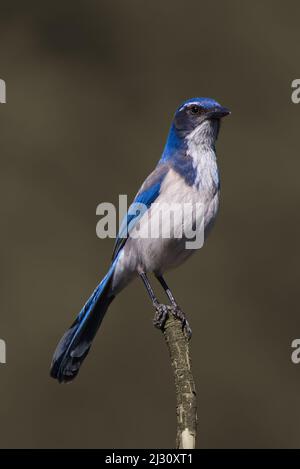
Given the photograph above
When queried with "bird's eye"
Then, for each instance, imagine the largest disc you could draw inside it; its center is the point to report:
(195, 110)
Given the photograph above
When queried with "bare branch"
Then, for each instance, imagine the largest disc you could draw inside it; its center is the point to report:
(186, 405)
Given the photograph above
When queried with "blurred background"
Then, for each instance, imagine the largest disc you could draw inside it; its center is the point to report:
(91, 90)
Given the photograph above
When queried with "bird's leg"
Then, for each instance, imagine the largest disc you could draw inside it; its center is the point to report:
(162, 311)
(176, 310)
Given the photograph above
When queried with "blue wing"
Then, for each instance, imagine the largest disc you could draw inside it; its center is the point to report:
(147, 194)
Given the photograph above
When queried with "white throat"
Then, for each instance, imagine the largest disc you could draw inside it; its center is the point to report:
(201, 148)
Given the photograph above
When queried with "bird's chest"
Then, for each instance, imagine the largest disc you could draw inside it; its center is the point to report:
(207, 182)
(165, 227)
(183, 205)
(204, 163)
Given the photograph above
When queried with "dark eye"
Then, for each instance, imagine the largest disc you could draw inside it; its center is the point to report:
(195, 110)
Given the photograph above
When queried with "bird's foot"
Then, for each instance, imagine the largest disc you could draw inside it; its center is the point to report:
(179, 314)
(161, 315)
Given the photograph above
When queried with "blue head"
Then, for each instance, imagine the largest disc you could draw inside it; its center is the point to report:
(196, 113)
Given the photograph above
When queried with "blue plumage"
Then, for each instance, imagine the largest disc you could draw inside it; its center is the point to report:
(144, 198)
(75, 343)
(186, 172)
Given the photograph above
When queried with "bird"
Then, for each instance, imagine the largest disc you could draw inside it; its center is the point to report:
(187, 172)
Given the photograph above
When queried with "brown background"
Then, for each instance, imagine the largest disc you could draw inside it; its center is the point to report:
(91, 90)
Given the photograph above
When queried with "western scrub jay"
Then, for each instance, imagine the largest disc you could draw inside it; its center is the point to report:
(186, 172)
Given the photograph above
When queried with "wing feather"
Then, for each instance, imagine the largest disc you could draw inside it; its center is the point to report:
(147, 194)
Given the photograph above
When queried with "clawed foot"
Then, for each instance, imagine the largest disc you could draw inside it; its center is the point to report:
(179, 314)
(162, 313)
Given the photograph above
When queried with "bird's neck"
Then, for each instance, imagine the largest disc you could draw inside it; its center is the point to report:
(175, 144)
(201, 149)
(193, 156)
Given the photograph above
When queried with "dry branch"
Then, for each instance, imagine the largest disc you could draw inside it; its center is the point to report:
(186, 405)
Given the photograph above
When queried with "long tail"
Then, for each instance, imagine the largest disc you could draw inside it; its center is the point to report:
(76, 342)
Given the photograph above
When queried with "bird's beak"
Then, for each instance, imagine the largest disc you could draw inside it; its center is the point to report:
(218, 112)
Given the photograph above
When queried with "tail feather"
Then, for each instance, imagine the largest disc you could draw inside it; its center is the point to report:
(76, 342)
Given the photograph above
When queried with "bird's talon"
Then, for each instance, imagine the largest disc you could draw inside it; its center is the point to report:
(179, 314)
(161, 315)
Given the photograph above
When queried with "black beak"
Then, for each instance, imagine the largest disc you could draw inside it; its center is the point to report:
(218, 112)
